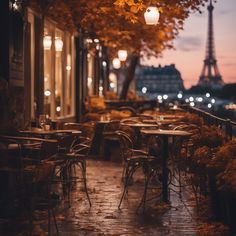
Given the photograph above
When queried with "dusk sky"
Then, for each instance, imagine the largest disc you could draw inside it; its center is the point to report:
(191, 44)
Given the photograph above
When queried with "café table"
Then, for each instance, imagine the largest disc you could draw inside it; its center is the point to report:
(48, 133)
(23, 138)
(165, 134)
(137, 127)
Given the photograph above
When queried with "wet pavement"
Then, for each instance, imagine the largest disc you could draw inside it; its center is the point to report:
(104, 218)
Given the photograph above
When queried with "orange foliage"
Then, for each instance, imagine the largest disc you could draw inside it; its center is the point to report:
(120, 23)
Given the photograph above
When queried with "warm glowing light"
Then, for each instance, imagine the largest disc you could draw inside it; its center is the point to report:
(89, 40)
(96, 40)
(90, 80)
(192, 104)
(112, 85)
(144, 90)
(47, 93)
(116, 63)
(231, 106)
(16, 6)
(58, 44)
(159, 97)
(122, 55)
(151, 15)
(112, 77)
(47, 42)
(104, 64)
(68, 68)
(58, 108)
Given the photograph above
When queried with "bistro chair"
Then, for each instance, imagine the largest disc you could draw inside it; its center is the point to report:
(128, 109)
(77, 158)
(135, 159)
(32, 178)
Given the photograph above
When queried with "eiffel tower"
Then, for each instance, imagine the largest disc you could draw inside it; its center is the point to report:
(210, 76)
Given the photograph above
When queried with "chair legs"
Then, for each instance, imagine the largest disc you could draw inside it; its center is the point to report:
(130, 169)
(82, 165)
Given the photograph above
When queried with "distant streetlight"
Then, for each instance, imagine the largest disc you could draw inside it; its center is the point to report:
(209, 105)
(122, 55)
(165, 96)
(116, 63)
(213, 100)
(144, 90)
(151, 15)
(179, 95)
(191, 99)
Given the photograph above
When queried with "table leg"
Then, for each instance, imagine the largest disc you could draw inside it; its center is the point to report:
(165, 153)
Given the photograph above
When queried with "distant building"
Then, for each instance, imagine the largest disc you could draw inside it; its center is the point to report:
(159, 79)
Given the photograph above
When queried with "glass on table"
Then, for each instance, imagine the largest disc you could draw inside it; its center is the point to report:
(42, 121)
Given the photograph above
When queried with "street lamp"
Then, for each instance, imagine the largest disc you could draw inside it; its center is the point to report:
(122, 55)
(151, 15)
(58, 44)
(116, 63)
(47, 42)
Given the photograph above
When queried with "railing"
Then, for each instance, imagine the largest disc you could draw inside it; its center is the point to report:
(227, 126)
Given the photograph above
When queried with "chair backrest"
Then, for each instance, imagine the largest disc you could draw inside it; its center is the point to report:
(82, 149)
(129, 131)
(48, 149)
(65, 142)
(111, 127)
(127, 108)
(126, 144)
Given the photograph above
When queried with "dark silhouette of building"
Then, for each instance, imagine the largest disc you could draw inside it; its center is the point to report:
(210, 76)
(159, 79)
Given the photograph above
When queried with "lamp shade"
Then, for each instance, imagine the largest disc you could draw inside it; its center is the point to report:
(116, 63)
(58, 44)
(151, 16)
(122, 55)
(47, 42)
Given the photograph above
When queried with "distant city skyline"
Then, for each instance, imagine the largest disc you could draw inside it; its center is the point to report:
(190, 46)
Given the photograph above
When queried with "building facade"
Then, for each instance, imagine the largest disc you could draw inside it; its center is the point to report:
(48, 68)
(159, 79)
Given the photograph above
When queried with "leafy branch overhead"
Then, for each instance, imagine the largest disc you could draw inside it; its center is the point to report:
(120, 23)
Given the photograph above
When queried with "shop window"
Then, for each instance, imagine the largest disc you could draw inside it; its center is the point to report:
(58, 73)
